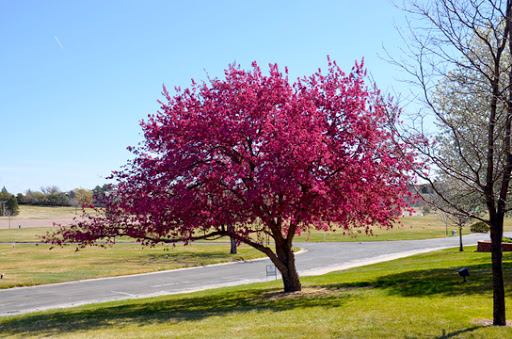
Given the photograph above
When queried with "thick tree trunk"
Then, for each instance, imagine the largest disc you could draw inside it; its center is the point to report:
(286, 266)
(499, 318)
(291, 281)
(284, 260)
(233, 241)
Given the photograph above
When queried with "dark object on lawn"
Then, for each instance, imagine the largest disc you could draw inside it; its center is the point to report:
(464, 273)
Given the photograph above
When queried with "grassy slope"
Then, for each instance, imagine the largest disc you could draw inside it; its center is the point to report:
(416, 297)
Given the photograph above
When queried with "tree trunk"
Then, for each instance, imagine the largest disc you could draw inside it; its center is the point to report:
(233, 241)
(233, 245)
(286, 266)
(499, 318)
(461, 247)
(283, 258)
(291, 280)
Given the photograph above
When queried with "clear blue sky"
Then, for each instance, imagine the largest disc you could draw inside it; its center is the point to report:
(76, 77)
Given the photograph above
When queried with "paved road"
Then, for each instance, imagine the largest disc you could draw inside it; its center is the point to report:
(316, 258)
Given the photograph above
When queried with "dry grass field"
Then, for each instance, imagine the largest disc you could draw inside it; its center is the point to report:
(36, 220)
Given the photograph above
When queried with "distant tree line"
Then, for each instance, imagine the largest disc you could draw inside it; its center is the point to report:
(11, 204)
(53, 196)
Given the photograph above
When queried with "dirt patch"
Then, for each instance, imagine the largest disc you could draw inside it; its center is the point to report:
(309, 292)
(488, 322)
(289, 295)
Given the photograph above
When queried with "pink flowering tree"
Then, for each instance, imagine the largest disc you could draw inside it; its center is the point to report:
(254, 157)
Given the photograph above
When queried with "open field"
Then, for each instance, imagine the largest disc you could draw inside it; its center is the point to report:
(28, 264)
(412, 228)
(44, 212)
(423, 227)
(415, 297)
(40, 216)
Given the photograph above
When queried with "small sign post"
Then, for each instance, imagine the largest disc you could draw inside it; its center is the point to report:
(271, 271)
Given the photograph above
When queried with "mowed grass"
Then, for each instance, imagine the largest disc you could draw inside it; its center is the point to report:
(416, 297)
(411, 228)
(28, 264)
(31, 235)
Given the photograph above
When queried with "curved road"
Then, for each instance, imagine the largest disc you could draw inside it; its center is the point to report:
(316, 258)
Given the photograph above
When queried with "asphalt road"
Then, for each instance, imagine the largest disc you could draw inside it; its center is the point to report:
(316, 258)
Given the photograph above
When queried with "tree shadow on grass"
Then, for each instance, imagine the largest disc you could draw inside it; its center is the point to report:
(443, 282)
(457, 333)
(165, 310)
(193, 307)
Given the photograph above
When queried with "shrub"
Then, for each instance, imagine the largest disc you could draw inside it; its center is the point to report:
(12, 206)
(479, 227)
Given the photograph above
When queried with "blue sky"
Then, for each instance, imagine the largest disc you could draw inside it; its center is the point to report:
(76, 77)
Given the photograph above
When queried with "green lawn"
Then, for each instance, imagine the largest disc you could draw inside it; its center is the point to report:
(28, 264)
(416, 297)
(412, 228)
(23, 234)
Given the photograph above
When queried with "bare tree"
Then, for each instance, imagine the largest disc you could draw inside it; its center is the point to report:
(50, 190)
(458, 53)
(459, 220)
(456, 196)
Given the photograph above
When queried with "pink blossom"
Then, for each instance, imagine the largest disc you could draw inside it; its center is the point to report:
(265, 157)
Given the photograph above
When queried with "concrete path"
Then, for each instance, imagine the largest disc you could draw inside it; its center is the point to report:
(316, 258)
